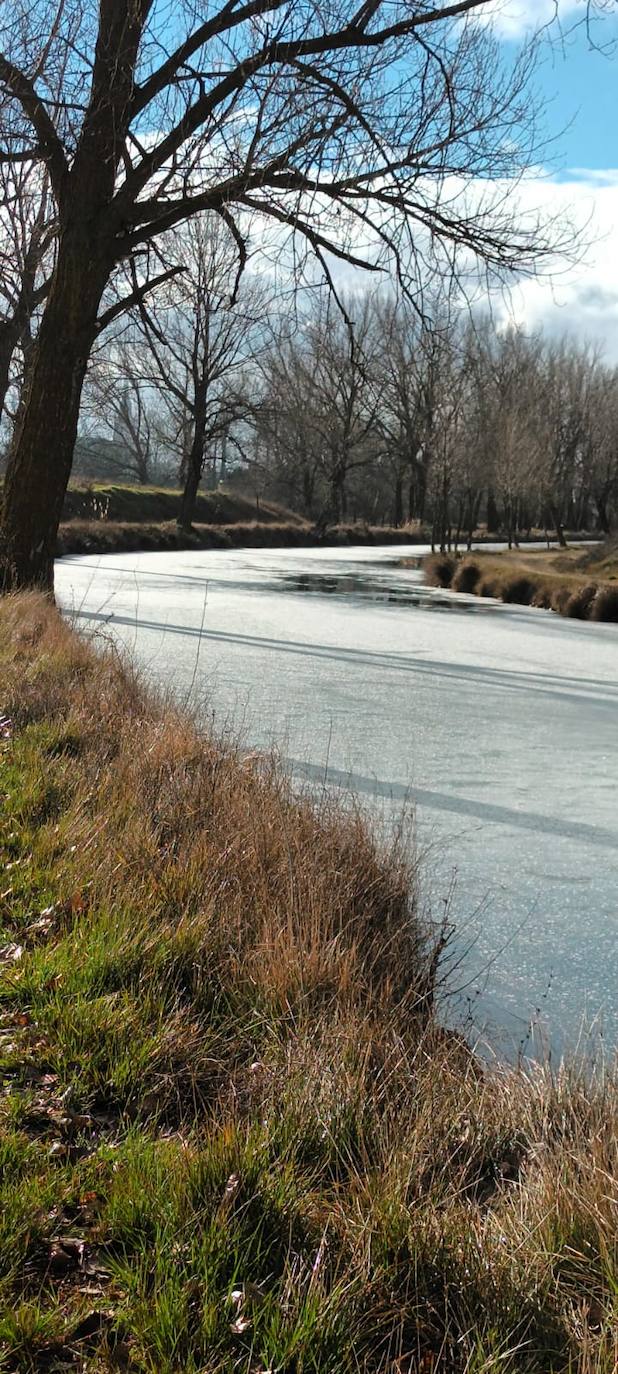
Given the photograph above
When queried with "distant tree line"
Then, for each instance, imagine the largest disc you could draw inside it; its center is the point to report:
(449, 421)
(356, 408)
(377, 134)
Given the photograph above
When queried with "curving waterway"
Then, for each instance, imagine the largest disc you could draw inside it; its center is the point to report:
(496, 725)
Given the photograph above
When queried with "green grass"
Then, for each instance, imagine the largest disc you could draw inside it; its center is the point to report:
(232, 1136)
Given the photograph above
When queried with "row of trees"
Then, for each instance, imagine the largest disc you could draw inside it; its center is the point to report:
(449, 422)
(385, 134)
(357, 409)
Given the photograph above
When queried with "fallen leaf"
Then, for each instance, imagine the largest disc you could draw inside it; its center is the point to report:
(79, 1121)
(9, 954)
(241, 1325)
(61, 1259)
(230, 1191)
(59, 1149)
(41, 927)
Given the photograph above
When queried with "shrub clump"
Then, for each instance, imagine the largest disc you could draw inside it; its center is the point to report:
(605, 605)
(466, 577)
(542, 598)
(579, 603)
(560, 597)
(518, 591)
(440, 569)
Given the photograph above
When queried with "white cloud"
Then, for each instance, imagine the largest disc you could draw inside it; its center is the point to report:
(582, 298)
(515, 18)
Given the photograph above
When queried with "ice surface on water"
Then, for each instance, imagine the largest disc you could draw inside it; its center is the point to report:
(500, 723)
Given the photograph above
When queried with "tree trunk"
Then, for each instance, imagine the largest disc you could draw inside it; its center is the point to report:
(417, 494)
(398, 510)
(9, 338)
(558, 526)
(308, 485)
(195, 467)
(17, 329)
(493, 519)
(41, 455)
(602, 514)
(337, 495)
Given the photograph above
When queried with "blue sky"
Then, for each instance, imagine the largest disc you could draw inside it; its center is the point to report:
(580, 83)
(578, 80)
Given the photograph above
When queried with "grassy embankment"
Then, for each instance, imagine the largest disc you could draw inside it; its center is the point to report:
(232, 1136)
(111, 518)
(581, 584)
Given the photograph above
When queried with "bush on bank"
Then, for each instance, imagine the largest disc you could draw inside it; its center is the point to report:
(498, 576)
(97, 536)
(233, 1136)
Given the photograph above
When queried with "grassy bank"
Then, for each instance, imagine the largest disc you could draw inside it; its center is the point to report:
(120, 502)
(580, 584)
(108, 536)
(118, 518)
(232, 1136)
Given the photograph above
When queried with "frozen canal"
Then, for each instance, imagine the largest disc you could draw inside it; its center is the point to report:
(499, 723)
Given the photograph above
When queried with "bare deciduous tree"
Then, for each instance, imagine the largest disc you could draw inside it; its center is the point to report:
(119, 395)
(27, 234)
(348, 124)
(201, 336)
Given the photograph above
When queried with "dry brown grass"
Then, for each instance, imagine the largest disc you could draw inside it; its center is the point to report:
(301, 899)
(223, 1070)
(555, 580)
(114, 536)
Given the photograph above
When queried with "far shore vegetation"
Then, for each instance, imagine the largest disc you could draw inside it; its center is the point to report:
(234, 1135)
(580, 584)
(112, 517)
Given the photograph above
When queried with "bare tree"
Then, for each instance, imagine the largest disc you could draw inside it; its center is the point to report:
(201, 336)
(602, 472)
(159, 121)
(27, 236)
(285, 447)
(408, 350)
(119, 395)
(321, 400)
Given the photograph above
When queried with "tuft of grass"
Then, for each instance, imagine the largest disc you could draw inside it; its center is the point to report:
(579, 604)
(466, 576)
(232, 1135)
(555, 581)
(605, 605)
(439, 569)
(518, 591)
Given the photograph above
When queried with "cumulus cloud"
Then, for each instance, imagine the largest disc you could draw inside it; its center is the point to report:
(515, 18)
(582, 297)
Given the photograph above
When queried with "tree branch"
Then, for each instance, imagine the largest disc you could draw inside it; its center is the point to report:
(136, 296)
(50, 149)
